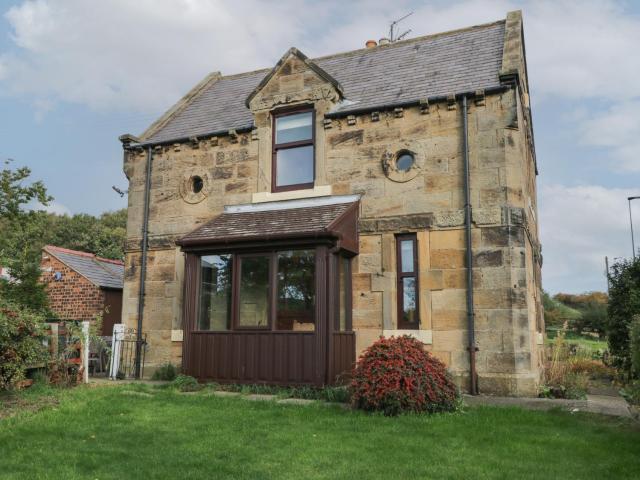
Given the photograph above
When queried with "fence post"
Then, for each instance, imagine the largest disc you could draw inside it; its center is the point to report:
(53, 339)
(116, 345)
(85, 351)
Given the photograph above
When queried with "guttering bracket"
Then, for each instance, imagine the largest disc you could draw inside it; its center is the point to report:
(451, 102)
(424, 106)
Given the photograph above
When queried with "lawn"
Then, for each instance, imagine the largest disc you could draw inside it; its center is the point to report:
(141, 432)
(588, 343)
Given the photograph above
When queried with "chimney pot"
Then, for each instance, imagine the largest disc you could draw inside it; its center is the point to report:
(371, 44)
(384, 41)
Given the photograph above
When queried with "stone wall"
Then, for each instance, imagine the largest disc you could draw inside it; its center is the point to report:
(73, 297)
(353, 157)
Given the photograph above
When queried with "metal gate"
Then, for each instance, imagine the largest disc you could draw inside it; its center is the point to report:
(123, 352)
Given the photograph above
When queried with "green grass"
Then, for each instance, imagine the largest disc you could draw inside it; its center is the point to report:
(135, 432)
(586, 342)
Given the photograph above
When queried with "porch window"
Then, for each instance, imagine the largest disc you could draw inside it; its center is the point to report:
(407, 273)
(214, 311)
(296, 298)
(344, 294)
(293, 165)
(253, 291)
(273, 291)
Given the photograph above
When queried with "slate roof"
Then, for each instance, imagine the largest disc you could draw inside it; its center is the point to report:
(424, 67)
(268, 224)
(102, 272)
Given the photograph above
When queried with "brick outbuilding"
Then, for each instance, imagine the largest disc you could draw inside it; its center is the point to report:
(81, 285)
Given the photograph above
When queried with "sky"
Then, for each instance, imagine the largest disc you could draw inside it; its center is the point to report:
(76, 74)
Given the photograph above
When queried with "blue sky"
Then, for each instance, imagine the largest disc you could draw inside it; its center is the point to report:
(74, 75)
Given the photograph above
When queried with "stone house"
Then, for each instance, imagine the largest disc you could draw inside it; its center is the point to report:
(281, 220)
(81, 286)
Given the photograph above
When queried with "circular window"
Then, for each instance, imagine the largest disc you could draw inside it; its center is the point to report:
(197, 184)
(404, 161)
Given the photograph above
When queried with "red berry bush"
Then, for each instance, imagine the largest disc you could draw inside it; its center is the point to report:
(396, 375)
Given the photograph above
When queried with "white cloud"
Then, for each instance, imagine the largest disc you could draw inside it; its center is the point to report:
(579, 226)
(585, 49)
(143, 55)
(617, 128)
(52, 207)
(139, 55)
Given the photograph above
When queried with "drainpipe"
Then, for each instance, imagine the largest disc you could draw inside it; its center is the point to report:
(143, 263)
(473, 375)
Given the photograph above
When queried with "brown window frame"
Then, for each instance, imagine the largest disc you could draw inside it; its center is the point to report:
(402, 325)
(348, 323)
(237, 256)
(235, 290)
(284, 146)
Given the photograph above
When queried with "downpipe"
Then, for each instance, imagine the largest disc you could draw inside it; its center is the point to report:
(472, 348)
(143, 265)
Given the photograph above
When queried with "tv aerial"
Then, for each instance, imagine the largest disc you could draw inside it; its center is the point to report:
(393, 37)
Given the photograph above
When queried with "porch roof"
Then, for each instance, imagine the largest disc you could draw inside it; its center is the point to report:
(273, 221)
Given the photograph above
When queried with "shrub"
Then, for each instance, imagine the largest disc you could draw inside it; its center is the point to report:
(567, 371)
(185, 383)
(21, 343)
(396, 375)
(631, 392)
(166, 371)
(624, 304)
(634, 344)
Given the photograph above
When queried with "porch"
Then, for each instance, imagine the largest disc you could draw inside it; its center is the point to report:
(267, 293)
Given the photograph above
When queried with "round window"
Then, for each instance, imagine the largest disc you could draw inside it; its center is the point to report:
(197, 184)
(404, 161)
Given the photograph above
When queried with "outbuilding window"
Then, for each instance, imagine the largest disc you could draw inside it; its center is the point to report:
(407, 272)
(293, 166)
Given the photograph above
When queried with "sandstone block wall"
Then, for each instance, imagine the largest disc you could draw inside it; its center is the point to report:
(352, 156)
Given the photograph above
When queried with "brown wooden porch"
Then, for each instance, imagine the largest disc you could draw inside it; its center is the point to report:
(274, 311)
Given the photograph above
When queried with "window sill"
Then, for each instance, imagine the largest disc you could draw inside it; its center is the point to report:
(425, 336)
(317, 191)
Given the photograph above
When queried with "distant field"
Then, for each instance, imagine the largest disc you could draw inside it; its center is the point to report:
(584, 341)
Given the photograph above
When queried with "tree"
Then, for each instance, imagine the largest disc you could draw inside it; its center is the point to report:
(624, 303)
(20, 226)
(103, 235)
(25, 231)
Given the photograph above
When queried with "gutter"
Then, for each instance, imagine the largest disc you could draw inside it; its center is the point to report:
(136, 143)
(143, 263)
(471, 328)
(414, 103)
(191, 137)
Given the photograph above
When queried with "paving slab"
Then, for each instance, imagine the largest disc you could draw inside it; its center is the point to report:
(608, 405)
(220, 393)
(529, 403)
(257, 397)
(296, 401)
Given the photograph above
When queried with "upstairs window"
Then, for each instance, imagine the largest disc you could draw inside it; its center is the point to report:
(293, 165)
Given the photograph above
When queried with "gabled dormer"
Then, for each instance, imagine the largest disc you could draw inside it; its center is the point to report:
(288, 107)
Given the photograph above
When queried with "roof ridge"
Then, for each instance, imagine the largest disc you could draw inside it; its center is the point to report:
(414, 39)
(365, 49)
(68, 250)
(80, 253)
(110, 260)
